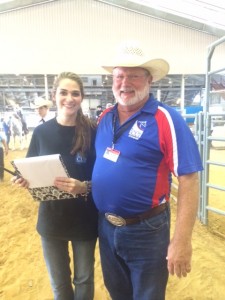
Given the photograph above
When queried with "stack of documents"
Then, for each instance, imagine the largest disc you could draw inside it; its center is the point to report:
(40, 172)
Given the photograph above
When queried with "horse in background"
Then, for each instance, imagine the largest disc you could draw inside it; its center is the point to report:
(16, 127)
(24, 123)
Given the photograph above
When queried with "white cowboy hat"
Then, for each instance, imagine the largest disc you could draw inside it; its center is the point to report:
(39, 102)
(131, 55)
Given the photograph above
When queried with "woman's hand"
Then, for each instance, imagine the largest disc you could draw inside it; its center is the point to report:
(70, 185)
(20, 181)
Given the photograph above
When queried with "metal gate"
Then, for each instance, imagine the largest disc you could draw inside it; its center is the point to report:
(205, 126)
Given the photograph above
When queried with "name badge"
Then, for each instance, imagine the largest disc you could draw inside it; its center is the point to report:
(111, 154)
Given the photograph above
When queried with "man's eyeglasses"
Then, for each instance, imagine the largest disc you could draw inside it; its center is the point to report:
(132, 78)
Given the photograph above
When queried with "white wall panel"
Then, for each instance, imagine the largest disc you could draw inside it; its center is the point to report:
(79, 36)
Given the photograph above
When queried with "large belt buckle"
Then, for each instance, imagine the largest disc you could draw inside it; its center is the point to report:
(115, 220)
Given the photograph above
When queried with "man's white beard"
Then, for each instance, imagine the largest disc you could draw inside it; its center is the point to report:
(138, 97)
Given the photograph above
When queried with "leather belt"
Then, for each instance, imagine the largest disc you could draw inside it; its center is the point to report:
(120, 221)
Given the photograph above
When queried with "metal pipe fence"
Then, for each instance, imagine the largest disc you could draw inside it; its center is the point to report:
(209, 131)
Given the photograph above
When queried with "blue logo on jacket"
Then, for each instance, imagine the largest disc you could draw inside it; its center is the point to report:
(79, 159)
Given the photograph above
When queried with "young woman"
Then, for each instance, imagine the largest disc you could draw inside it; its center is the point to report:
(73, 220)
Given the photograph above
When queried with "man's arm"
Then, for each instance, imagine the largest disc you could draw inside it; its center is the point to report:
(180, 248)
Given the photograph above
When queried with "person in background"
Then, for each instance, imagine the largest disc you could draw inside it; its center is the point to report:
(42, 107)
(74, 220)
(108, 105)
(3, 147)
(98, 111)
(140, 143)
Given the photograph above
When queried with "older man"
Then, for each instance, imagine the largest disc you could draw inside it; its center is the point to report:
(140, 143)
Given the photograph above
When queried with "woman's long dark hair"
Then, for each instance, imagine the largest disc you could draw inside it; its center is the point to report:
(82, 136)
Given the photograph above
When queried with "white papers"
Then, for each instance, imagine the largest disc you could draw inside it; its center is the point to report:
(40, 171)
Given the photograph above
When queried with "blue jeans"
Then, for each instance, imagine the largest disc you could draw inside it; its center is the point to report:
(56, 254)
(133, 258)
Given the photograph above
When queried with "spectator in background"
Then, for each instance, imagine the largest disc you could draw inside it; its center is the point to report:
(42, 107)
(108, 105)
(98, 111)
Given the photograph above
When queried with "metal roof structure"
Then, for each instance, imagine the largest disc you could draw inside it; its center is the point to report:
(206, 16)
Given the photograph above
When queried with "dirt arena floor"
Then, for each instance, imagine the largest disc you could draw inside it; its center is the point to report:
(23, 274)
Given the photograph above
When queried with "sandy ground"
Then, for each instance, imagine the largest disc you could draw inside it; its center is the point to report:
(23, 274)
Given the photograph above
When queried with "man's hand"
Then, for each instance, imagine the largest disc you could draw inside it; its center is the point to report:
(179, 258)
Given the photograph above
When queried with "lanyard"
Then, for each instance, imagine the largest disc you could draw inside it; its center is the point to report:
(117, 134)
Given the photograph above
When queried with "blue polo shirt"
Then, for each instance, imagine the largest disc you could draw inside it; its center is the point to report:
(152, 144)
